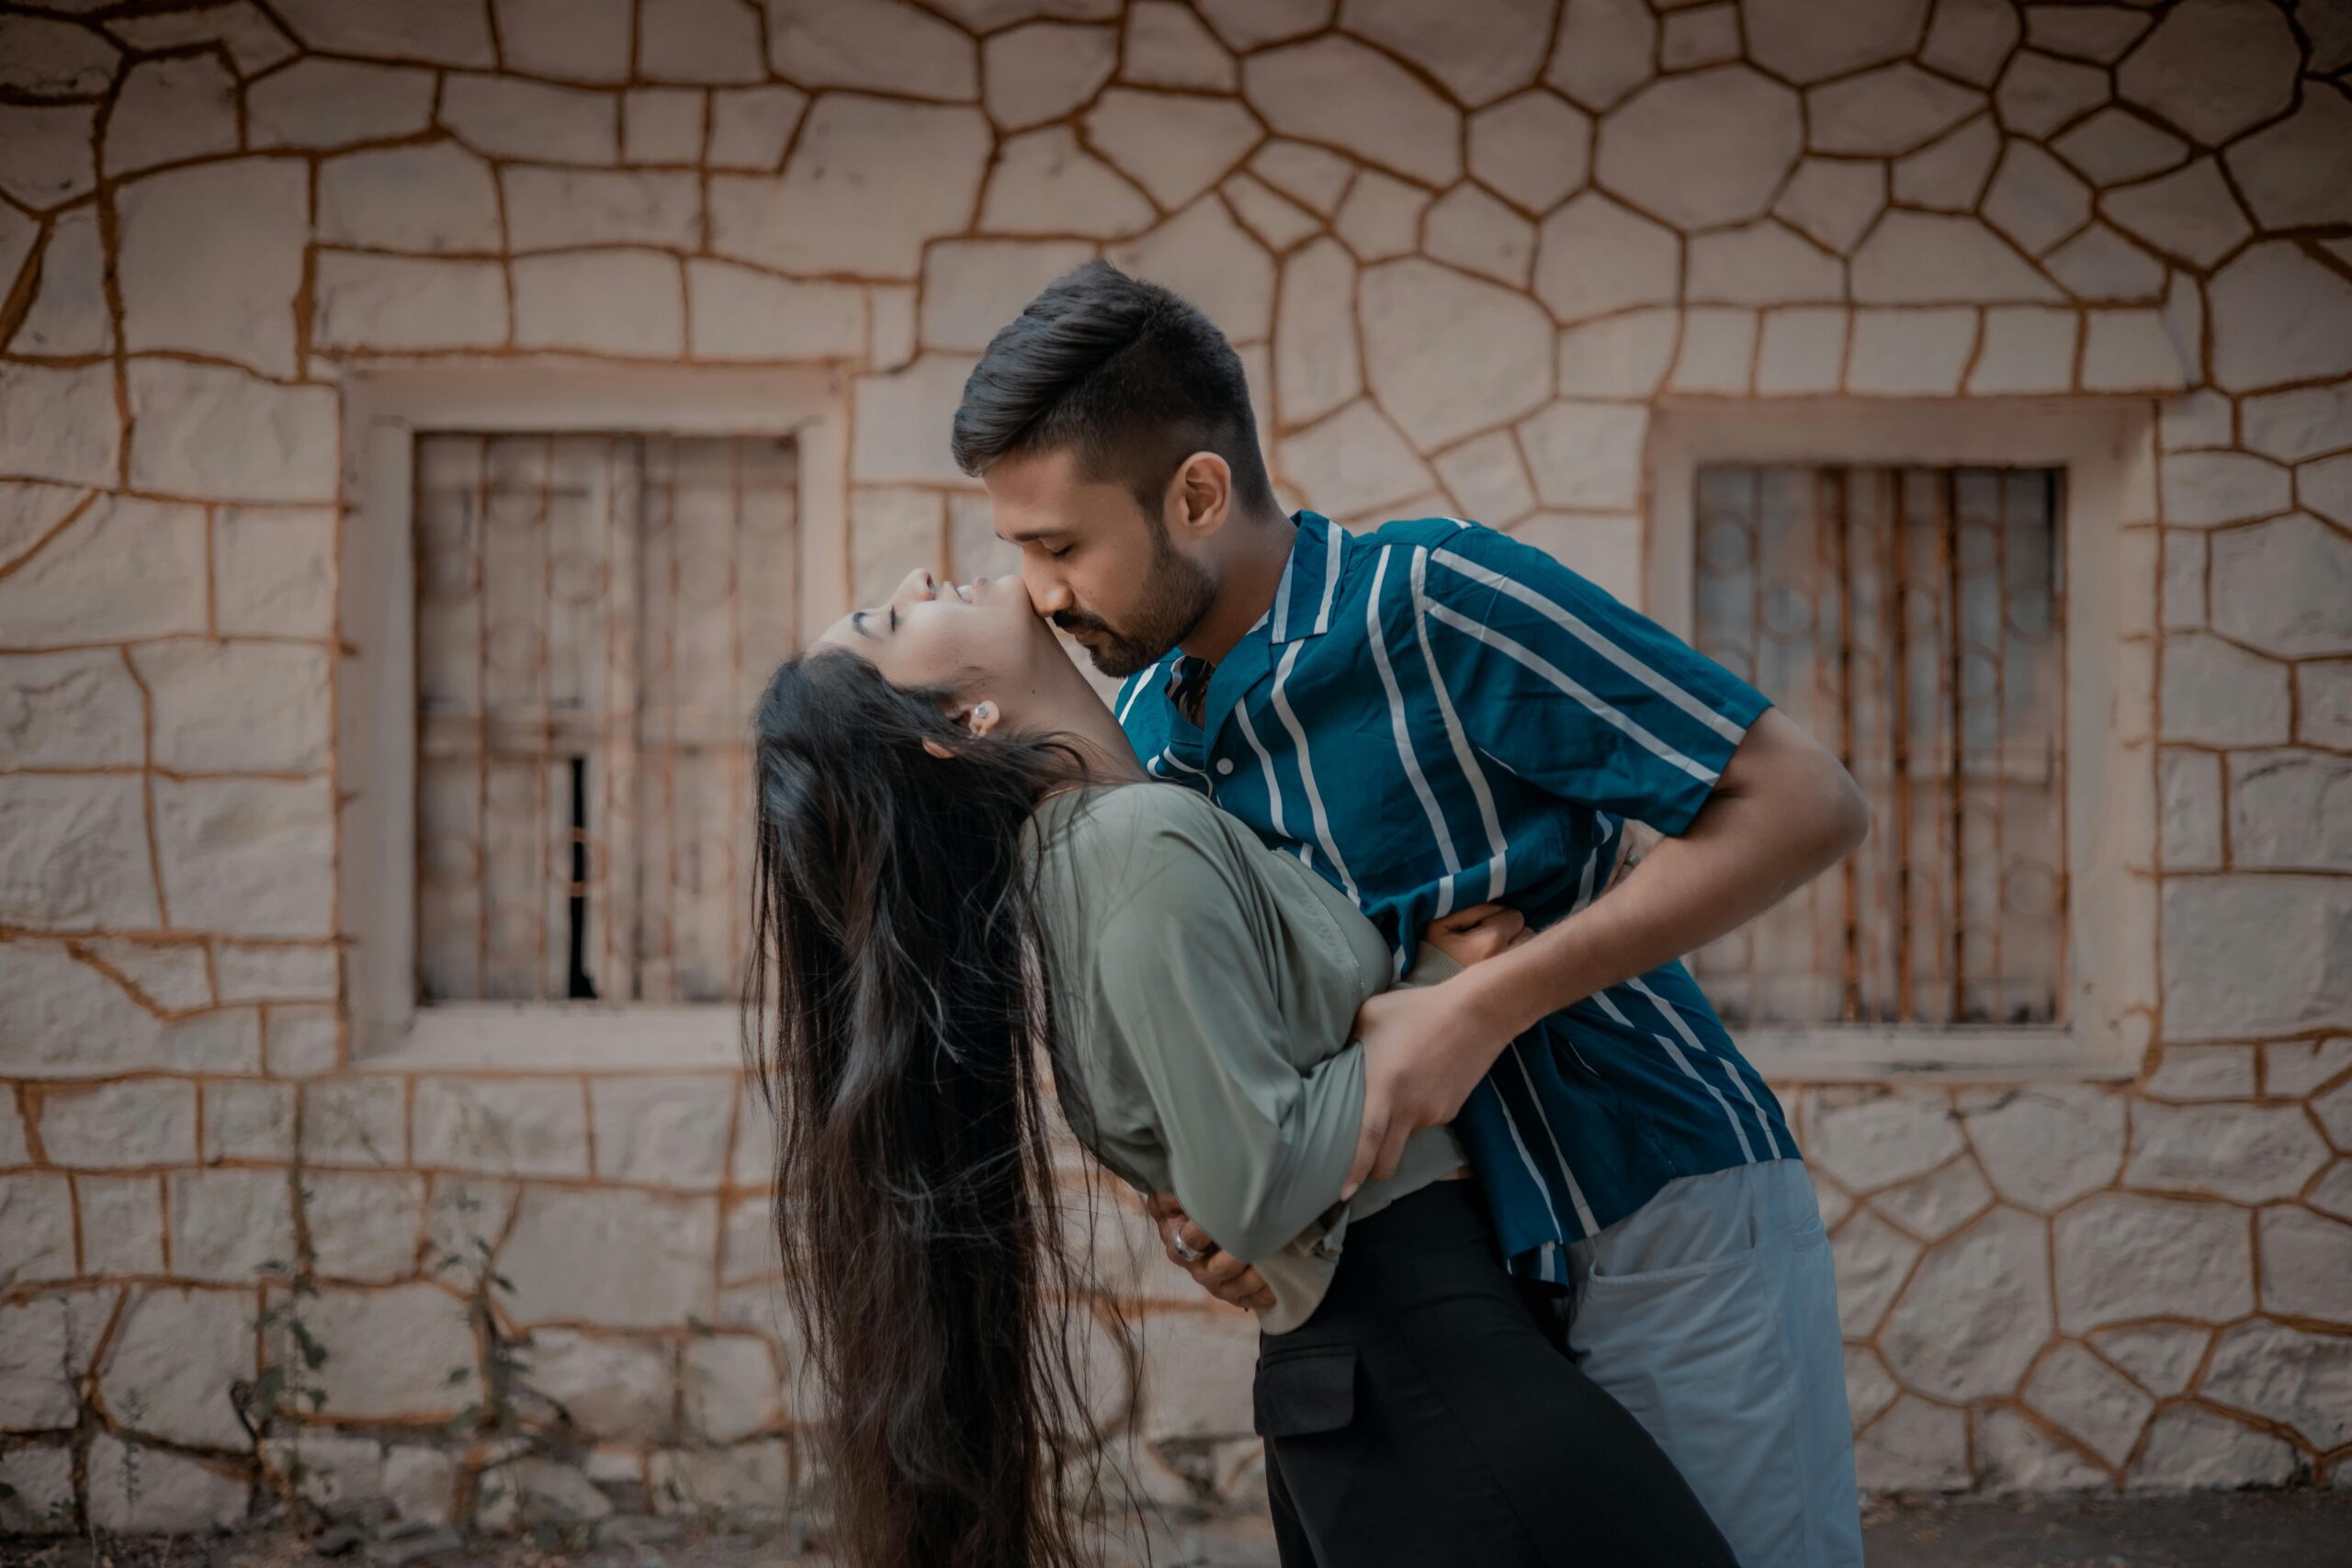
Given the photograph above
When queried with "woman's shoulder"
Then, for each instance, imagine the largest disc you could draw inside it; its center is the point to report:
(1146, 813)
(1148, 842)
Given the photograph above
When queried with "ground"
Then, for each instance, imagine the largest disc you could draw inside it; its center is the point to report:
(2244, 1529)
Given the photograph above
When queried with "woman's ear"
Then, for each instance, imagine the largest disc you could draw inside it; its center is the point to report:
(979, 718)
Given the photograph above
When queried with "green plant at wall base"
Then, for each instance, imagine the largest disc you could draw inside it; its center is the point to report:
(287, 1385)
(505, 1368)
(521, 1419)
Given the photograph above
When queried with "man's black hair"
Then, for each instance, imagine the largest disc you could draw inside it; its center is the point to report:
(1126, 374)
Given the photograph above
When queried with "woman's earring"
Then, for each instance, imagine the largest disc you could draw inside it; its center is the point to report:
(983, 717)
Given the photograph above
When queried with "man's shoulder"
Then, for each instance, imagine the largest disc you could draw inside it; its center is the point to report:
(1431, 533)
(1456, 539)
(1465, 557)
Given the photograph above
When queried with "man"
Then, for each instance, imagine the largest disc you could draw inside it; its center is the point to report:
(1436, 718)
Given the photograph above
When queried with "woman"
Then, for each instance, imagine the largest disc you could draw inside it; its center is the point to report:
(958, 863)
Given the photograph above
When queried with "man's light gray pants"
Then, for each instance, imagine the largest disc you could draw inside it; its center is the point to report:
(1710, 1313)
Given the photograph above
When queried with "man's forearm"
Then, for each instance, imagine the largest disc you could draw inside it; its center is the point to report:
(1785, 813)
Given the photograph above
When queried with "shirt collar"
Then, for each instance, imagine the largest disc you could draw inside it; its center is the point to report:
(1310, 583)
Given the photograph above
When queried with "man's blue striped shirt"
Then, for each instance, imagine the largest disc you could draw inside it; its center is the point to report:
(1434, 716)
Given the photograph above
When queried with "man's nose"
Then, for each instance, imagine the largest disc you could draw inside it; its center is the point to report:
(1046, 589)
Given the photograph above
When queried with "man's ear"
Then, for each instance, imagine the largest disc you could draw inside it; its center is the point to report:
(1200, 496)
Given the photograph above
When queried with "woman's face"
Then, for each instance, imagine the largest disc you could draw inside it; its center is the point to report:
(983, 639)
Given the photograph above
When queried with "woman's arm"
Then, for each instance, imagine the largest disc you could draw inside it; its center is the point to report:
(1464, 938)
(1186, 1004)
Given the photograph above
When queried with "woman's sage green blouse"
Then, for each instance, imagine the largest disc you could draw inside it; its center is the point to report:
(1205, 987)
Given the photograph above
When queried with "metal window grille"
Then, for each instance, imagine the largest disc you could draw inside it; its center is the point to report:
(595, 616)
(1911, 619)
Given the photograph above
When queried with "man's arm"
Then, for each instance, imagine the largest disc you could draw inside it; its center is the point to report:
(1783, 811)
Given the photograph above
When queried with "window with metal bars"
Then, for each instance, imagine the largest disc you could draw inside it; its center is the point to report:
(595, 616)
(1912, 620)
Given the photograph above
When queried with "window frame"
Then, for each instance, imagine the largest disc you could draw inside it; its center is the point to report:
(2108, 524)
(384, 410)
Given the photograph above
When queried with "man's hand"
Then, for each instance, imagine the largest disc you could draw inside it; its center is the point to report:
(1425, 1048)
(1218, 1272)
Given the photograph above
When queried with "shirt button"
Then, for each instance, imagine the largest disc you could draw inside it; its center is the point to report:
(1224, 767)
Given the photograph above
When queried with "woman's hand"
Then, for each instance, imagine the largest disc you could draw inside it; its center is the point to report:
(1218, 1272)
(1473, 935)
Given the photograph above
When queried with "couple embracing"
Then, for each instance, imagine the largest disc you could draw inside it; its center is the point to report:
(1306, 935)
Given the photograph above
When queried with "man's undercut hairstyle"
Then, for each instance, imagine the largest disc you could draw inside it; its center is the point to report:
(1127, 375)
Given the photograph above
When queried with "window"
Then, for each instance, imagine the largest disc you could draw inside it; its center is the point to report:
(594, 616)
(1911, 619)
(581, 695)
(1959, 597)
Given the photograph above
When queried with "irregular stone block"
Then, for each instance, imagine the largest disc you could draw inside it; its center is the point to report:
(131, 1121)
(2121, 1256)
(248, 857)
(1976, 1313)
(74, 852)
(2265, 957)
(173, 1358)
(211, 432)
(1344, 94)
(1701, 150)
(209, 260)
(228, 1225)
(1448, 355)
(333, 102)
(557, 1254)
(668, 1132)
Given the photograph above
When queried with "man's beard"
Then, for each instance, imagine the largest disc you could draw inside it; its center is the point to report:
(1175, 596)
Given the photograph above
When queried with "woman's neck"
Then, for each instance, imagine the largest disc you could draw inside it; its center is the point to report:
(1073, 710)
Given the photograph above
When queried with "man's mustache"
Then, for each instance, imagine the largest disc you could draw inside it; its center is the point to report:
(1075, 621)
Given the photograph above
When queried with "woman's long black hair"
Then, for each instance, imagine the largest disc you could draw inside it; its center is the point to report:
(899, 1018)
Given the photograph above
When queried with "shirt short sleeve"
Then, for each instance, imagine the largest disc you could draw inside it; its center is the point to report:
(1578, 695)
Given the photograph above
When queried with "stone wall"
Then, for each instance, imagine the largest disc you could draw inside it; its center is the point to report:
(1468, 250)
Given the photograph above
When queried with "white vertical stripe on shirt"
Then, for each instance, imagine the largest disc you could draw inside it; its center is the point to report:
(1520, 1144)
(1143, 683)
(1282, 599)
(1446, 616)
(1674, 1016)
(1331, 576)
(1274, 786)
(1576, 1193)
(1584, 632)
(1168, 755)
(1307, 768)
(1616, 1014)
(1491, 867)
(1464, 757)
(1731, 1071)
(1402, 729)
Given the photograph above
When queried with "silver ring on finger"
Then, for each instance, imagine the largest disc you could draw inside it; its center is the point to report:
(1185, 1250)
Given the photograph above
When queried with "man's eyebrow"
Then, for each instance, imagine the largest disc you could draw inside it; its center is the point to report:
(1027, 536)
